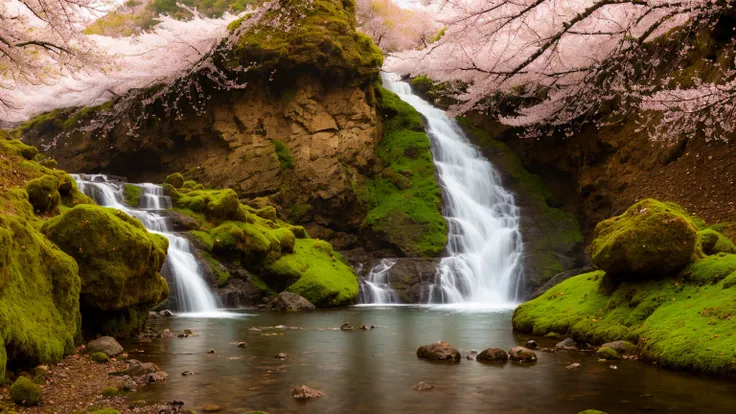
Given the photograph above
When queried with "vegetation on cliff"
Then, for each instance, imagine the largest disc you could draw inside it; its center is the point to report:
(681, 320)
(281, 255)
(404, 199)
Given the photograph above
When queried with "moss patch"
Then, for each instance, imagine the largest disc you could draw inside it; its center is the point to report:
(284, 154)
(25, 392)
(404, 200)
(322, 278)
(132, 194)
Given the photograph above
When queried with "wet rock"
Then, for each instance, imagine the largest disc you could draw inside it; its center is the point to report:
(521, 354)
(147, 334)
(621, 347)
(242, 345)
(282, 356)
(548, 350)
(346, 327)
(423, 386)
(373, 327)
(211, 351)
(472, 355)
(166, 333)
(165, 313)
(188, 332)
(363, 328)
(568, 343)
(211, 408)
(532, 344)
(105, 344)
(290, 302)
(153, 315)
(187, 373)
(158, 376)
(182, 335)
(439, 351)
(612, 367)
(574, 365)
(305, 393)
(136, 369)
(254, 329)
(494, 355)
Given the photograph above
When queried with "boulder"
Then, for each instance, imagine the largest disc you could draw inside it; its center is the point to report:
(532, 344)
(142, 372)
(305, 393)
(439, 351)
(422, 386)
(25, 392)
(346, 327)
(521, 354)
(621, 347)
(650, 240)
(495, 355)
(107, 345)
(606, 353)
(166, 333)
(568, 343)
(290, 302)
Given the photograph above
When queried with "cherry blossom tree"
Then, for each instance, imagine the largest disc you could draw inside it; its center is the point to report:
(550, 64)
(394, 28)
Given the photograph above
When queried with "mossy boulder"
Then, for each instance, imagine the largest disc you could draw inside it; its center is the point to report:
(215, 204)
(17, 147)
(712, 242)
(39, 290)
(132, 194)
(25, 392)
(119, 263)
(650, 240)
(43, 193)
(176, 180)
(605, 352)
(99, 357)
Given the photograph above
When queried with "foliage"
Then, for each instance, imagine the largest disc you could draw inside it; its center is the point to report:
(394, 28)
(405, 200)
(527, 70)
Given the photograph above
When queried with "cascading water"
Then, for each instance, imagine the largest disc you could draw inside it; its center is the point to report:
(375, 288)
(193, 294)
(484, 242)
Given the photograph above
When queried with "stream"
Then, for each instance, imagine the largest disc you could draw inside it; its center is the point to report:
(374, 371)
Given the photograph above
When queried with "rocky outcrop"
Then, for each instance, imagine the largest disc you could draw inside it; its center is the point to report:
(290, 302)
(107, 345)
(409, 277)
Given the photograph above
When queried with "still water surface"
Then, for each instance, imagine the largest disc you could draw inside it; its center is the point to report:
(374, 371)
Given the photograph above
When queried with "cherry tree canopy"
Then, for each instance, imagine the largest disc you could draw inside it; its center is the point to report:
(395, 28)
(545, 64)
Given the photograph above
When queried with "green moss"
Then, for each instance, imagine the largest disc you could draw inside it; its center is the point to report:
(15, 146)
(222, 276)
(118, 259)
(110, 391)
(43, 193)
(217, 205)
(606, 353)
(408, 215)
(591, 412)
(298, 212)
(39, 290)
(99, 357)
(711, 269)
(284, 154)
(650, 239)
(204, 240)
(678, 324)
(322, 279)
(50, 122)
(25, 392)
(176, 180)
(315, 36)
(729, 281)
(267, 212)
(713, 242)
(85, 113)
(132, 194)
(105, 411)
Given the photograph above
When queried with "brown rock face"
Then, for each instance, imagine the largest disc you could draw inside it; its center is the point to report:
(290, 302)
(439, 351)
(305, 144)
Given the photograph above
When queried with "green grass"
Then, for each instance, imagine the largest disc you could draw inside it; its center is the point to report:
(404, 200)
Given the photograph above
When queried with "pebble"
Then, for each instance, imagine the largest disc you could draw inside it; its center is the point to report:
(423, 386)
(187, 373)
(574, 365)
(242, 345)
(282, 356)
(211, 351)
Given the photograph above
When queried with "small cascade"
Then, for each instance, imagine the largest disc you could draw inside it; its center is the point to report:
(375, 289)
(192, 292)
(484, 248)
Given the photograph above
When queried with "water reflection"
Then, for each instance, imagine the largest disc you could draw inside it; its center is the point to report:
(373, 371)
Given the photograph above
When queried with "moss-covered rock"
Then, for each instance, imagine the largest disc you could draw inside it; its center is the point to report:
(15, 146)
(606, 353)
(404, 201)
(176, 180)
(99, 357)
(132, 194)
(25, 392)
(713, 242)
(43, 193)
(104, 411)
(215, 204)
(119, 263)
(39, 290)
(651, 239)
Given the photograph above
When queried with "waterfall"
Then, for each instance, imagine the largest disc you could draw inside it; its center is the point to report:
(484, 248)
(375, 288)
(192, 292)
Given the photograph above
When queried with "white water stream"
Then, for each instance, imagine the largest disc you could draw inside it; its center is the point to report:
(193, 294)
(482, 265)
